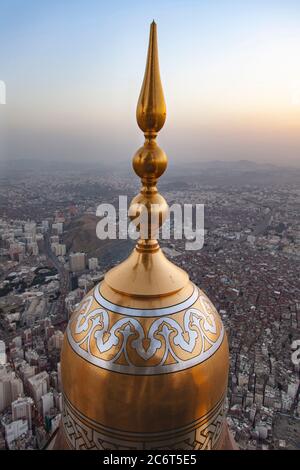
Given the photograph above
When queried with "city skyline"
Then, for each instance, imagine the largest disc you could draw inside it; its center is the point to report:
(230, 74)
(249, 267)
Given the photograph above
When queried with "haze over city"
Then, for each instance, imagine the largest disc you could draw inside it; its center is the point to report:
(163, 343)
(73, 70)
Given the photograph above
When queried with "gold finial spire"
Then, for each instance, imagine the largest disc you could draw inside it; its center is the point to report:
(150, 161)
(147, 272)
(145, 327)
(151, 107)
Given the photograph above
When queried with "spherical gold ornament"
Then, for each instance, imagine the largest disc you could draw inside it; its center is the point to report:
(148, 213)
(150, 161)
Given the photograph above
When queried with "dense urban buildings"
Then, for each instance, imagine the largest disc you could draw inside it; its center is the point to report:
(249, 267)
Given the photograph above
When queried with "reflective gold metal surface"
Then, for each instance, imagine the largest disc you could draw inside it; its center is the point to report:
(151, 108)
(145, 356)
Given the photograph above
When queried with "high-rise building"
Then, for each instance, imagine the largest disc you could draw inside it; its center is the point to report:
(11, 387)
(22, 409)
(31, 357)
(30, 231)
(38, 386)
(16, 388)
(47, 403)
(5, 393)
(2, 353)
(147, 343)
(49, 331)
(27, 337)
(58, 228)
(77, 262)
(27, 371)
(14, 430)
(17, 251)
(56, 340)
(55, 422)
(45, 225)
(59, 249)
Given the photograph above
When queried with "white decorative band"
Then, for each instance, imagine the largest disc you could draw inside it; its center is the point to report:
(161, 368)
(126, 344)
(152, 312)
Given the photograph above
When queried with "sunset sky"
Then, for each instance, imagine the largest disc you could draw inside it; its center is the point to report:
(73, 72)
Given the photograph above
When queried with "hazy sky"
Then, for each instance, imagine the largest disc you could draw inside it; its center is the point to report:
(73, 72)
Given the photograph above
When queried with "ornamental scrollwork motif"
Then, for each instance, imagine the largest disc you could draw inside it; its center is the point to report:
(129, 344)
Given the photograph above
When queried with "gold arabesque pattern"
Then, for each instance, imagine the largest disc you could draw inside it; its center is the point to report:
(126, 343)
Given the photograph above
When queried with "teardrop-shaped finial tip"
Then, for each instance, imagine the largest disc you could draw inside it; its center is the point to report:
(151, 107)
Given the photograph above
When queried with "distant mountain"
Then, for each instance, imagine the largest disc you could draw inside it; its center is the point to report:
(229, 173)
(241, 165)
(29, 165)
(80, 236)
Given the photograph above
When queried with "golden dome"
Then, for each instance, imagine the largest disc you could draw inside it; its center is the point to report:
(145, 356)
